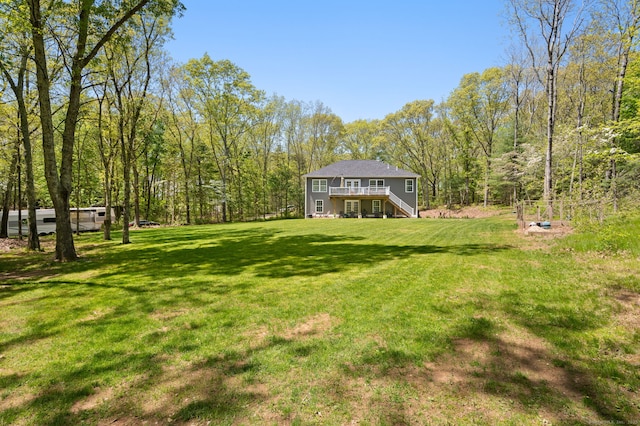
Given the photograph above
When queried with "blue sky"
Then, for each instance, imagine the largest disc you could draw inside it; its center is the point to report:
(363, 59)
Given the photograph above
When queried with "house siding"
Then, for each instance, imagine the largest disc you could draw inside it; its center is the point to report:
(337, 174)
(311, 197)
(336, 206)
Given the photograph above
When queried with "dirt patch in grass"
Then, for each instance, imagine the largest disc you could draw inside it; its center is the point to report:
(164, 315)
(15, 399)
(97, 314)
(316, 325)
(484, 381)
(8, 244)
(629, 315)
(100, 396)
(471, 212)
(25, 265)
(25, 275)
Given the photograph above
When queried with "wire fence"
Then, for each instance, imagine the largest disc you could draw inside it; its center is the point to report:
(563, 212)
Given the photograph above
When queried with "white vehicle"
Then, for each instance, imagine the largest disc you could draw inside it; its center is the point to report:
(82, 219)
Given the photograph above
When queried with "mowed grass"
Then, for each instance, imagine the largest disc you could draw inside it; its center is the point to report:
(323, 322)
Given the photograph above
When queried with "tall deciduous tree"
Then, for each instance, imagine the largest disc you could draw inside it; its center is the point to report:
(130, 68)
(92, 24)
(263, 139)
(481, 105)
(108, 148)
(17, 82)
(361, 140)
(550, 25)
(13, 149)
(226, 100)
(324, 132)
(409, 131)
(183, 127)
(624, 18)
(522, 88)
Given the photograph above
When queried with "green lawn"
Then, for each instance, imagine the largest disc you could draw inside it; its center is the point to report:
(324, 322)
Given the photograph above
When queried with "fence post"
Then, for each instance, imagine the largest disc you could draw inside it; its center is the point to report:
(519, 214)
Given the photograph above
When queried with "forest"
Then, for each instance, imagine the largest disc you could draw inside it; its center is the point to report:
(95, 112)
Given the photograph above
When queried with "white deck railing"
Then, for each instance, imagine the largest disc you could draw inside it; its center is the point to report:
(365, 190)
(398, 202)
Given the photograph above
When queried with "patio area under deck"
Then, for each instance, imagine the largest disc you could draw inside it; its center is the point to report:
(369, 193)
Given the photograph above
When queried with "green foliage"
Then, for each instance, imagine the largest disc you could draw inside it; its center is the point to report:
(630, 110)
(616, 234)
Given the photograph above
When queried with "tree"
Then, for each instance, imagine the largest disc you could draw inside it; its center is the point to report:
(324, 132)
(361, 140)
(624, 18)
(520, 79)
(625, 15)
(263, 139)
(226, 101)
(183, 127)
(17, 85)
(108, 148)
(92, 25)
(13, 149)
(461, 156)
(587, 86)
(409, 131)
(629, 125)
(481, 104)
(130, 68)
(549, 17)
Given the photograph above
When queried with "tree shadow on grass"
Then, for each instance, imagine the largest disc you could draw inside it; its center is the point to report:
(266, 254)
(510, 363)
(192, 254)
(145, 387)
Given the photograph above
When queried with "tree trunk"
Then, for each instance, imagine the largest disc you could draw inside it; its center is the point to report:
(59, 186)
(126, 211)
(107, 209)
(485, 202)
(548, 164)
(6, 205)
(136, 192)
(33, 239)
(18, 89)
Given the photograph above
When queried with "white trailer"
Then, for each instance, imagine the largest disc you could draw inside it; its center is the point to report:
(82, 219)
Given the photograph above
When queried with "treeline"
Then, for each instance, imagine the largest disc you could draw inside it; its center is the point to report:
(198, 142)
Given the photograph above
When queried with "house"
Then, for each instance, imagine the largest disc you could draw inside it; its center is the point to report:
(361, 188)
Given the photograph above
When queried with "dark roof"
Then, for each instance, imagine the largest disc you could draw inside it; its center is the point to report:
(361, 169)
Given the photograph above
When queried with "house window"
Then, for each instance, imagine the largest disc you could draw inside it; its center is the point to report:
(319, 206)
(319, 185)
(376, 206)
(376, 183)
(408, 185)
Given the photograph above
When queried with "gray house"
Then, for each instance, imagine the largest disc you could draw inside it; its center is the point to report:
(361, 188)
